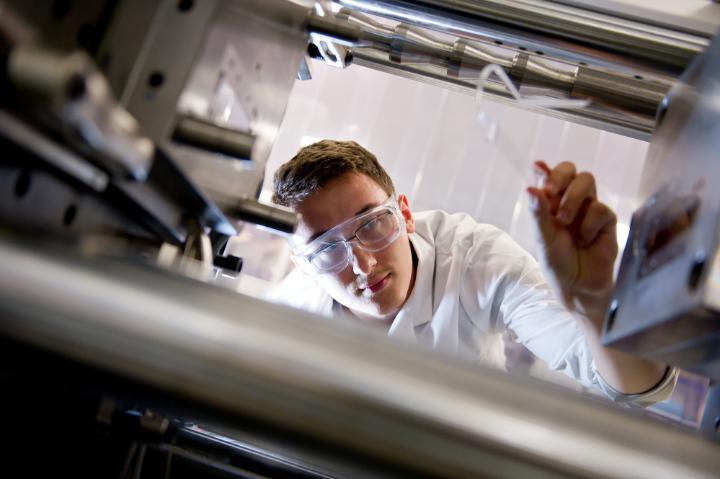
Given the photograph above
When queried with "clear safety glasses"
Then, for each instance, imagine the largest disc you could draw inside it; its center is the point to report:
(371, 231)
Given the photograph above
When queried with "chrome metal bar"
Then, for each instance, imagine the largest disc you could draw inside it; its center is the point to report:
(274, 217)
(213, 138)
(333, 381)
(563, 31)
(634, 126)
(58, 156)
(74, 92)
(621, 103)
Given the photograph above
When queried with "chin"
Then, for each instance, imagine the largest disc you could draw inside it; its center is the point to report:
(388, 309)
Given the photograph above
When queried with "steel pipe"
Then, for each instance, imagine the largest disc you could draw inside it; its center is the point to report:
(621, 103)
(568, 32)
(337, 382)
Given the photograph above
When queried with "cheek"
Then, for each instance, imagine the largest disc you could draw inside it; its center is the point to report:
(397, 255)
(339, 281)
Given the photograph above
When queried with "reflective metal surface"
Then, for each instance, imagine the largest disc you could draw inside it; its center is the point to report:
(360, 390)
(77, 95)
(666, 298)
(572, 33)
(231, 64)
(208, 82)
(208, 136)
(77, 163)
(278, 218)
(621, 103)
(14, 129)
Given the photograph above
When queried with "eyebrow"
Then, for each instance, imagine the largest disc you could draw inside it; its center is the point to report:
(362, 210)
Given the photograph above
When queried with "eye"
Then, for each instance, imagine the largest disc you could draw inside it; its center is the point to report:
(373, 223)
(328, 256)
(376, 228)
(327, 249)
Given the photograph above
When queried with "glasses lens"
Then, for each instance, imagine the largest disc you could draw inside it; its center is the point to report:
(373, 231)
(378, 232)
(329, 257)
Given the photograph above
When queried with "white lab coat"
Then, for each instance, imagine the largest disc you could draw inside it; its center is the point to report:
(473, 282)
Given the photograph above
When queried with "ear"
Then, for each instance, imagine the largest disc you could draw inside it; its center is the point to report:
(404, 205)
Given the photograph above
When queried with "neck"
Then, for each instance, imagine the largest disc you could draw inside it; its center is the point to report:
(414, 271)
(383, 322)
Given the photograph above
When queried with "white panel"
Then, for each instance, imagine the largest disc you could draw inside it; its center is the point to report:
(579, 146)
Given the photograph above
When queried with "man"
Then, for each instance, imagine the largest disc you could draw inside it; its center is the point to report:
(450, 283)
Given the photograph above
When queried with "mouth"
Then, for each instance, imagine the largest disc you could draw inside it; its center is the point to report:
(378, 285)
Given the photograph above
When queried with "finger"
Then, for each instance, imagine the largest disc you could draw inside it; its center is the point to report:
(560, 177)
(542, 172)
(581, 189)
(542, 175)
(540, 208)
(598, 218)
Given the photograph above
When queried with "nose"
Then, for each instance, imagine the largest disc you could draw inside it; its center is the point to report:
(363, 262)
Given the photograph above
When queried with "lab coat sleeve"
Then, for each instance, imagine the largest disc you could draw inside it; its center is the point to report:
(510, 282)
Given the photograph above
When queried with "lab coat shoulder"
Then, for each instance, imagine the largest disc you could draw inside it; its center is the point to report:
(502, 287)
(487, 264)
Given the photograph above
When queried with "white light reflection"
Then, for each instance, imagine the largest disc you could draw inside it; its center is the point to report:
(623, 231)
(308, 140)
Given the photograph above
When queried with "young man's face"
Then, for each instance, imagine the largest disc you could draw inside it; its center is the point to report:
(374, 285)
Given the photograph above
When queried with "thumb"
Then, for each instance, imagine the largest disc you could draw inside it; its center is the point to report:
(540, 209)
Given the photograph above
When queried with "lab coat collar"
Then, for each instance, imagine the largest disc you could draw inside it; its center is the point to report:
(419, 306)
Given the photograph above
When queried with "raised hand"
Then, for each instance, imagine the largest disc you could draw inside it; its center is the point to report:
(577, 237)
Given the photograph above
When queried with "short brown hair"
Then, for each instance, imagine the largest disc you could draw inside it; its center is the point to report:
(316, 165)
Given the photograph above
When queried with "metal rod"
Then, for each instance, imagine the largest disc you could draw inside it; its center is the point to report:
(274, 217)
(572, 33)
(621, 103)
(210, 137)
(335, 381)
(54, 154)
(639, 127)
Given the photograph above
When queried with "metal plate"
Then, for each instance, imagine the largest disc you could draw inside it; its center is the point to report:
(232, 63)
(666, 304)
